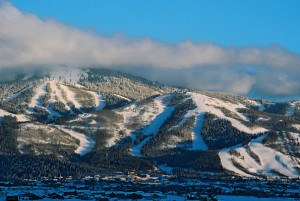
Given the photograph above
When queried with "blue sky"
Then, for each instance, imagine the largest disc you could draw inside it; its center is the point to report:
(237, 23)
(246, 47)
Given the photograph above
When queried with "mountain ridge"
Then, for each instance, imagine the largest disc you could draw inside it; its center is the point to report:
(96, 118)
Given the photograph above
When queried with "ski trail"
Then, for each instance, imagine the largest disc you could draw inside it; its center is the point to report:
(198, 142)
(155, 125)
(86, 143)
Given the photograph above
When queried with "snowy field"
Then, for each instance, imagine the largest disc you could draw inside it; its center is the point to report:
(212, 105)
(249, 198)
(271, 162)
(20, 117)
(182, 198)
(86, 144)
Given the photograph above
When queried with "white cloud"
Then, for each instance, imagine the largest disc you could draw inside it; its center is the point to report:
(26, 40)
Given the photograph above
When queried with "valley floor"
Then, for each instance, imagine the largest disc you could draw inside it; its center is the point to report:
(95, 188)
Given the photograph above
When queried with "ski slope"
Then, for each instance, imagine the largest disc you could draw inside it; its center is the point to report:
(36, 99)
(153, 128)
(16, 94)
(198, 142)
(291, 110)
(86, 144)
(56, 95)
(57, 92)
(212, 105)
(20, 117)
(71, 96)
(100, 102)
(271, 163)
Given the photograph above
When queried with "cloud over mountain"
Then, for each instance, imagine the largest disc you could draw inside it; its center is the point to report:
(26, 40)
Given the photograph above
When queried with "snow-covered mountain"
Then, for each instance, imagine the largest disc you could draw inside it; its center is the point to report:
(111, 119)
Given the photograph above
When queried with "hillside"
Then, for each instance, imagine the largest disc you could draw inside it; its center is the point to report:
(99, 119)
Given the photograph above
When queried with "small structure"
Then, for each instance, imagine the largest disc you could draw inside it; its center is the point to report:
(12, 198)
(34, 197)
(56, 196)
(72, 193)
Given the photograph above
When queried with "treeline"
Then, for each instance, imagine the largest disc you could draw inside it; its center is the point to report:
(177, 98)
(86, 100)
(45, 99)
(277, 108)
(8, 135)
(117, 159)
(283, 142)
(170, 131)
(10, 88)
(219, 133)
(40, 114)
(35, 167)
(19, 104)
(114, 82)
(196, 160)
(270, 121)
(113, 102)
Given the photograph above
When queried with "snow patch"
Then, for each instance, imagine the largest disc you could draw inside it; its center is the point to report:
(68, 74)
(20, 117)
(100, 102)
(15, 94)
(71, 96)
(86, 143)
(39, 92)
(165, 168)
(198, 142)
(297, 126)
(270, 161)
(263, 119)
(122, 97)
(56, 91)
(291, 110)
(210, 105)
(226, 161)
(161, 115)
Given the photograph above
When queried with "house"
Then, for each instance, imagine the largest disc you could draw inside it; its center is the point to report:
(72, 193)
(12, 198)
(34, 197)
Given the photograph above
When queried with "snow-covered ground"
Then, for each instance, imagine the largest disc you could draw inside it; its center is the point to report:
(56, 94)
(226, 161)
(122, 97)
(294, 136)
(204, 104)
(100, 102)
(291, 110)
(297, 126)
(57, 91)
(39, 92)
(86, 143)
(20, 117)
(71, 96)
(15, 94)
(198, 142)
(163, 112)
(68, 74)
(271, 161)
(166, 169)
(261, 107)
(145, 114)
(212, 105)
(249, 198)
(183, 198)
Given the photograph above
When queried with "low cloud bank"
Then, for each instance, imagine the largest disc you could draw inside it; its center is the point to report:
(26, 40)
